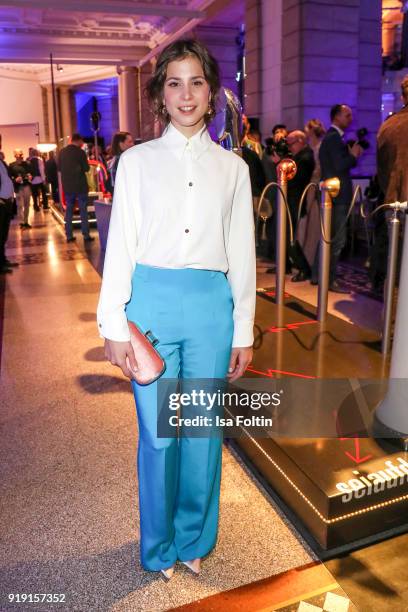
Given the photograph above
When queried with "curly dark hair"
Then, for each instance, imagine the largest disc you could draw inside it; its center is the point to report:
(179, 50)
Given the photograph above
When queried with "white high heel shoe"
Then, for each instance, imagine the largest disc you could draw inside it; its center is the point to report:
(168, 573)
(194, 565)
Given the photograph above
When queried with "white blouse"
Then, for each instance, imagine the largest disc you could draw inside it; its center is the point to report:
(180, 203)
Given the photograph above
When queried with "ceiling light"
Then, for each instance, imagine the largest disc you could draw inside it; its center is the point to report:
(46, 147)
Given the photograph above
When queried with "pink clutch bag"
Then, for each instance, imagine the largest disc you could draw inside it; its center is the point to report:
(150, 363)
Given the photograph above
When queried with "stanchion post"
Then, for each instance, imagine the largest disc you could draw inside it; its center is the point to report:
(391, 415)
(330, 189)
(286, 171)
(393, 233)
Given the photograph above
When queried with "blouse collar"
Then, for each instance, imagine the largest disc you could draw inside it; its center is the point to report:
(179, 144)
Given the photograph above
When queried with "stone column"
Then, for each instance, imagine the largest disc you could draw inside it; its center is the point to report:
(146, 122)
(74, 118)
(271, 64)
(263, 57)
(368, 110)
(127, 94)
(253, 58)
(44, 136)
(320, 58)
(50, 109)
(65, 110)
(331, 52)
(221, 42)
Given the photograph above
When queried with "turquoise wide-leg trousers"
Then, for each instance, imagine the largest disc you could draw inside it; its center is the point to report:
(190, 312)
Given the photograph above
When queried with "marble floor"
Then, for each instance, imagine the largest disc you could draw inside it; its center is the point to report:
(355, 307)
(68, 489)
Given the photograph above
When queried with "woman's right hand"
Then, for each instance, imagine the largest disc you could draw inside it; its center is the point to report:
(116, 353)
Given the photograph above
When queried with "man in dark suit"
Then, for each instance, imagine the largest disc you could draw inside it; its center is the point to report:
(336, 160)
(73, 165)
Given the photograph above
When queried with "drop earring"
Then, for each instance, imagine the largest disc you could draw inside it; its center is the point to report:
(210, 110)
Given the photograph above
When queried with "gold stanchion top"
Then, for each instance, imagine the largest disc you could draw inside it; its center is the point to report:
(332, 185)
(286, 170)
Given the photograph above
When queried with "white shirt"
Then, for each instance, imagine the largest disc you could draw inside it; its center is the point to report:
(180, 203)
(340, 131)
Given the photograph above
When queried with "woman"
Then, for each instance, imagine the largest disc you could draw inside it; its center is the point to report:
(180, 261)
(315, 131)
(121, 141)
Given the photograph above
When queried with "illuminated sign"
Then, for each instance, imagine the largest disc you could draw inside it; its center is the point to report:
(364, 485)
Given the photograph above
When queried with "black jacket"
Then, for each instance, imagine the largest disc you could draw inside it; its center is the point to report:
(337, 161)
(256, 171)
(35, 166)
(73, 165)
(305, 165)
(51, 171)
(23, 169)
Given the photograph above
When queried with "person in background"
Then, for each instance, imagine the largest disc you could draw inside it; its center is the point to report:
(73, 166)
(279, 135)
(38, 183)
(97, 154)
(302, 155)
(257, 178)
(6, 213)
(51, 173)
(108, 153)
(270, 160)
(256, 173)
(309, 225)
(256, 136)
(337, 159)
(121, 141)
(21, 174)
(252, 138)
(392, 177)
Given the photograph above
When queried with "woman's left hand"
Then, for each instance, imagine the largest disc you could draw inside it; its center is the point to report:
(240, 358)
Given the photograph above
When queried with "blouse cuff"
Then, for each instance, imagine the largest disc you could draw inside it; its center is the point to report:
(114, 327)
(243, 334)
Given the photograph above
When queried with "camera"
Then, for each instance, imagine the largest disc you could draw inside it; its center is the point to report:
(279, 147)
(361, 139)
